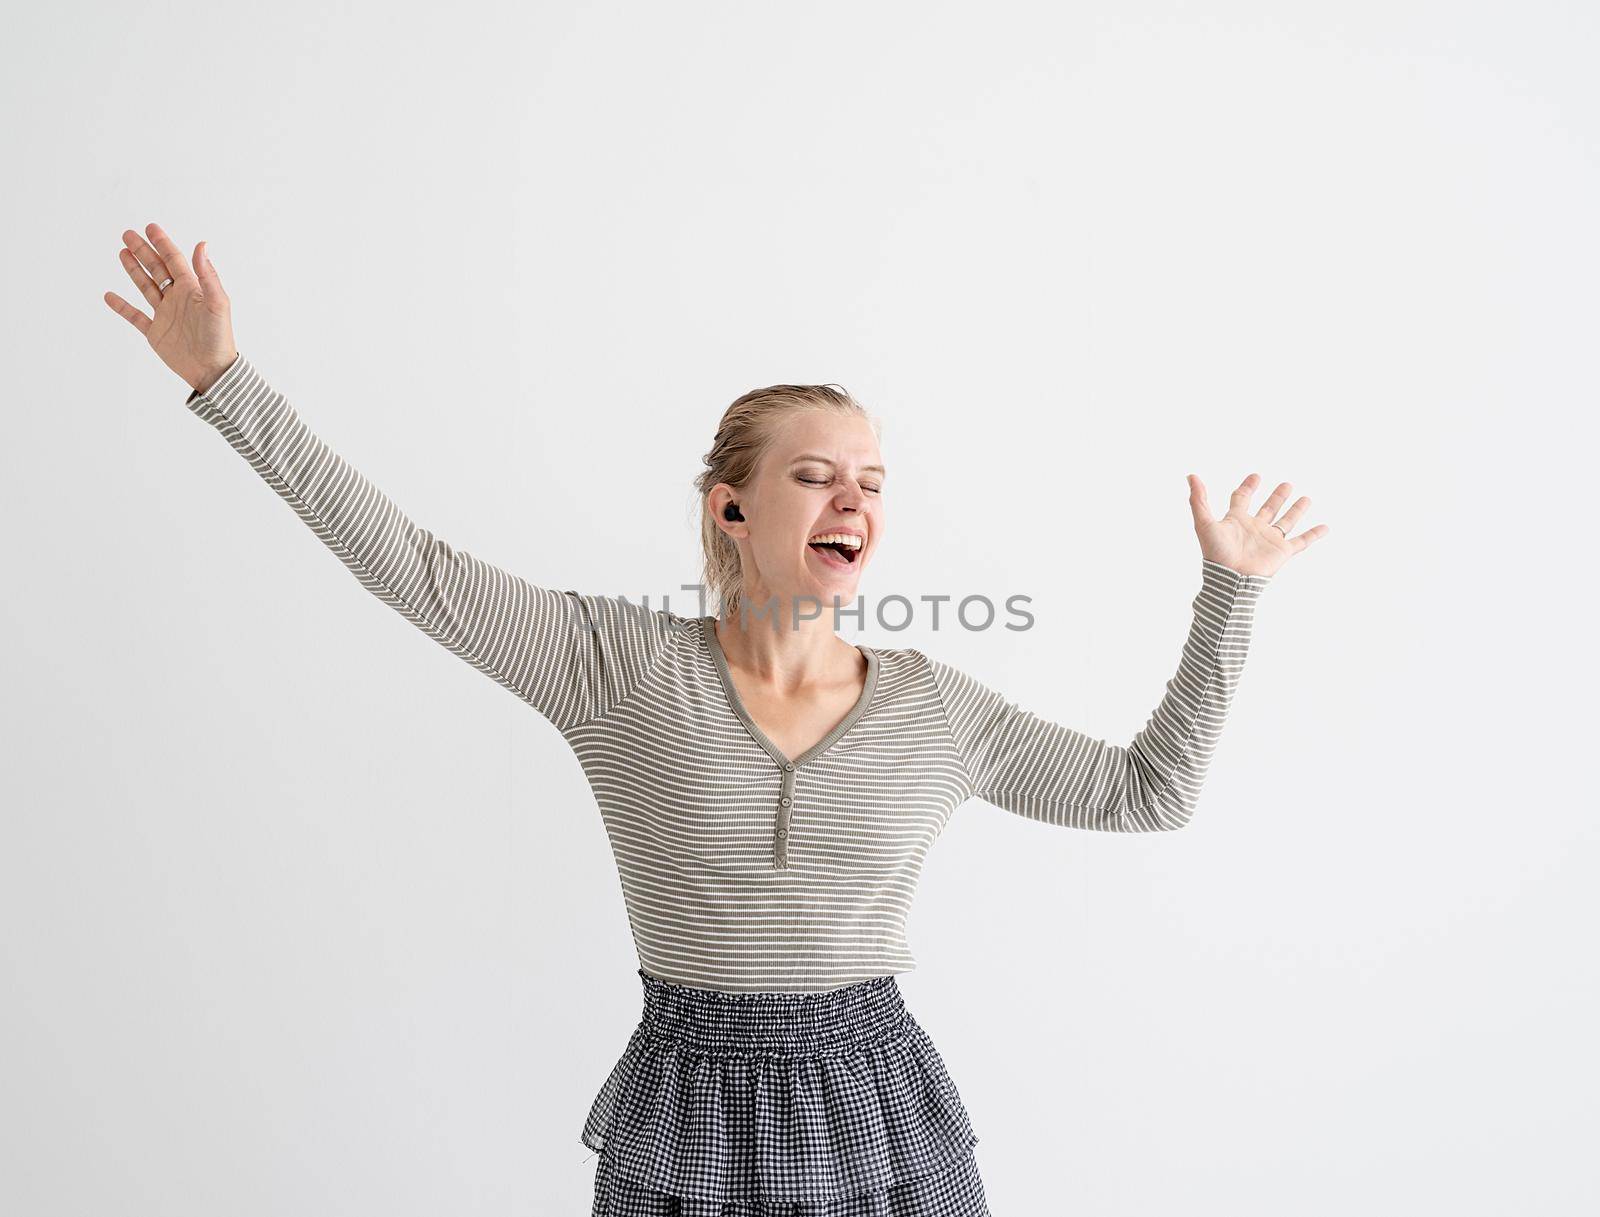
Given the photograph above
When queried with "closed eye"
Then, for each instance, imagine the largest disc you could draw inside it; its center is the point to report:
(824, 482)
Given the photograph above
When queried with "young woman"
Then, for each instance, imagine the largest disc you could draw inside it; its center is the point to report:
(769, 791)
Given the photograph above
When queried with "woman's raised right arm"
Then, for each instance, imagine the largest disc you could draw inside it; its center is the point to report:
(571, 657)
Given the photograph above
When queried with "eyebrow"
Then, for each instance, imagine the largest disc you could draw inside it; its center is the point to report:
(812, 456)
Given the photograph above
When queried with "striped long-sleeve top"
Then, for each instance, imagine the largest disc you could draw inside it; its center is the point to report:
(744, 869)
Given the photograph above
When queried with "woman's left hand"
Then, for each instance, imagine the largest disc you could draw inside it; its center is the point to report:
(1250, 542)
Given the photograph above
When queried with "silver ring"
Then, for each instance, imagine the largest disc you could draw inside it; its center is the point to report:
(164, 284)
(1279, 527)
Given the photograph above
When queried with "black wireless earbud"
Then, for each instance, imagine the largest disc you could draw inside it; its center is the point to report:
(732, 512)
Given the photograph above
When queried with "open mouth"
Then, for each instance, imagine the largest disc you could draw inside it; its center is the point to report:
(835, 553)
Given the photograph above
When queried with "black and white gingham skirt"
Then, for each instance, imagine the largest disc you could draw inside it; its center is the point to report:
(821, 1104)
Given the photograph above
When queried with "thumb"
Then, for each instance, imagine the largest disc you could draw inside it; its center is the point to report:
(1198, 506)
(204, 271)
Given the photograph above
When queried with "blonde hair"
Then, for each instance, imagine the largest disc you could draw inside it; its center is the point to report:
(744, 435)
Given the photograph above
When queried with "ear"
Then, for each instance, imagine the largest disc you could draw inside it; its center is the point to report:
(717, 501)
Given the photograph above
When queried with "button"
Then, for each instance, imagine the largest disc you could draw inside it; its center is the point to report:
(783, 832)
(788, 764)
(785, 801)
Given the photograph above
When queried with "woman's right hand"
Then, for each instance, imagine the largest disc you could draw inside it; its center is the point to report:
(192, 329)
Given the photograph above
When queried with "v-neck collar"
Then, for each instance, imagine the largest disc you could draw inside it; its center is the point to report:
(760, 736)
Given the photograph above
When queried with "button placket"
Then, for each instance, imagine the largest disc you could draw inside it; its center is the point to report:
(785, 811)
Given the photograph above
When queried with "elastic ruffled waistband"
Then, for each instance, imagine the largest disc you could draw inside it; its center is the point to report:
(783, 1023)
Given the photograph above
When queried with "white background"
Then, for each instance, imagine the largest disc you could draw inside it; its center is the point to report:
(299, 913)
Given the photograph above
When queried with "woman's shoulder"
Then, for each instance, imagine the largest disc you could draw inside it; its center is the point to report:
(908, 662)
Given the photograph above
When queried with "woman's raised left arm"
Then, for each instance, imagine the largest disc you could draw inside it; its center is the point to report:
(1046, 771)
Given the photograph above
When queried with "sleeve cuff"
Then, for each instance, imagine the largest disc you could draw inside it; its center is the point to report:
(1231, 582)
(218, 392)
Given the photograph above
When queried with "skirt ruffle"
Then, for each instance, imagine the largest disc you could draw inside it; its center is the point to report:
(862, 1124)
(956, 1190)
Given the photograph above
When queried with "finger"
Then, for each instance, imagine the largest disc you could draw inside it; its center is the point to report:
(171, 256)
(145, 284)
(1274, 502)
(1239, 500)
(123, 309)
(1287, 520)
(205, 272)
(1198, 506)
(145, 254)
(1307, 537)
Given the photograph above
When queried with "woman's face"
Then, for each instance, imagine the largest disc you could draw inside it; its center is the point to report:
(821, 475)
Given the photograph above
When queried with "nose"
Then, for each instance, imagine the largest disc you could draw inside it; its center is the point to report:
(852, 497)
